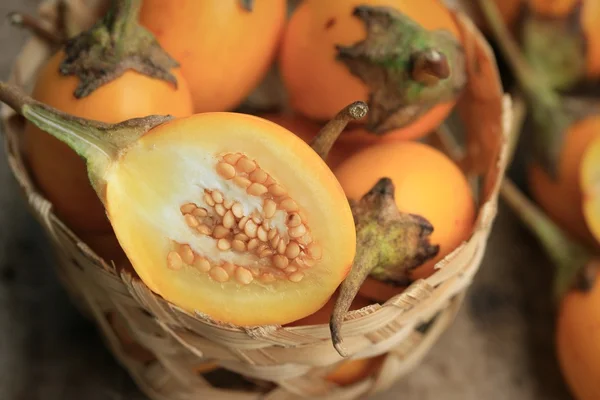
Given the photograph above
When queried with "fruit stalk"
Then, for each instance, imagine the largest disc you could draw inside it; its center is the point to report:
(569, 257)
(389, 245)
(63, 25)
(325, 139)
(551, 118)
(122, 22)
(15, 98)
(361, 268)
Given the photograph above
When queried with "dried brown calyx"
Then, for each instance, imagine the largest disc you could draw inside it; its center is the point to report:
(556, 46)
(407, 68)
(117, 43)
(389, 245)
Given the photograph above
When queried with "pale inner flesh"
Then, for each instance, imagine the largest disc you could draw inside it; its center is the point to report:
(236, 222)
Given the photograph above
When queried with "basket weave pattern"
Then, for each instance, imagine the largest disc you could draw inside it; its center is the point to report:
(295, 359)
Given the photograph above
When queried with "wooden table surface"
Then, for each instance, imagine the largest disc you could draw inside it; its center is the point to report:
(500, 346)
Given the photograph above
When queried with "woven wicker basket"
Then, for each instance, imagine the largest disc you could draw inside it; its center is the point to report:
(276, 362)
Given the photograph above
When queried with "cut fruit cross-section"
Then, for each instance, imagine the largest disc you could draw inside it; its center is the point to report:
(226, 215)
(232, 216)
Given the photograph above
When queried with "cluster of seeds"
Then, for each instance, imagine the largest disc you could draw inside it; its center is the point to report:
(288, 252)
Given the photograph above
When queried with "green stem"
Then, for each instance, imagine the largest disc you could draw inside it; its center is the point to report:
(85, 140)
(83, 136)
(568, 256)
(124, 23)
(327, 136)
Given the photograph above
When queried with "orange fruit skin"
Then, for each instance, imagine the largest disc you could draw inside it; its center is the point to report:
(590, 25)
(562, 198)
(427, 183)
(379, 291)
(578, 342)
(57, 170)
(356, 137)
(318, 85)
(421, 127)
(224, 50)
(206, 367)
(353, 371)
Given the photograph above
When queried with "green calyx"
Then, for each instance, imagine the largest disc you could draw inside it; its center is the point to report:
(407, 68)
(116, 43)
(390, 244)
(98, 143)
(556, 47)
